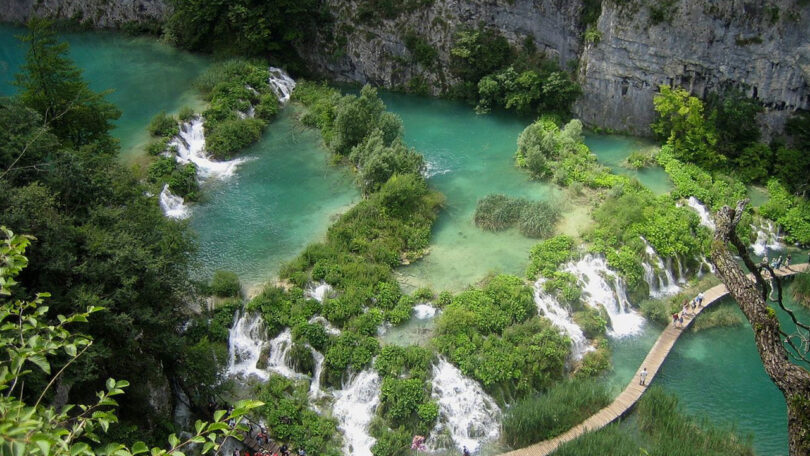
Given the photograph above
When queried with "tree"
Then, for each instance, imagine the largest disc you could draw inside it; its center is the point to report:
(28, 342)
(52, 85)
(682, 123)
(792, 379)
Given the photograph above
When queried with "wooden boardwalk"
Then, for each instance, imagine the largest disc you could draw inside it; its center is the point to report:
(632, 393)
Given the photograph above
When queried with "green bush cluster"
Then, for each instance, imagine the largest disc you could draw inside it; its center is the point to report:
(181, 178)
(225, 284)
(546, 256)
(232, 88)
(790, 211)
(493, 75)
(499, 212)
(405, 403)
(537, 418)
(493, 335)
(290, 420)
(718, 316)
(547, 150)
(640, 159)
(422, 52)
(595, 362)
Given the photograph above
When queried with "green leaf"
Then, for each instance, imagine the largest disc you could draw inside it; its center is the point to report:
(70, 349)
(110, 383)
(218, 415)
(173, 441)
(40, 361)
(139, 447)
(207, 447)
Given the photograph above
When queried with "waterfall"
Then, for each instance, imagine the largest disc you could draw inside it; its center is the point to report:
(315, 386)
(768, 238)
(424, 311)
(681, 278)
(701, 260)
(469, 415)
(172, 205)
(281, 83)
(331, 330)
(318, 293)
(247, 344)
(549, 307)
(354, 408)
(594, 277)
(704, 214)
(190, 144)
(661, 282)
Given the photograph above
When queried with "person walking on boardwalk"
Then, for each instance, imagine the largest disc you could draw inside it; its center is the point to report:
(675, 319)
(643, 377)
(699, 299)
(787, 261)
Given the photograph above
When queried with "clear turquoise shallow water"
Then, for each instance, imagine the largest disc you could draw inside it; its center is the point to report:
(147, 76)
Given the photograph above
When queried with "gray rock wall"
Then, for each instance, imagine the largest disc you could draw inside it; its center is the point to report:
(761, 48)
(93, 13)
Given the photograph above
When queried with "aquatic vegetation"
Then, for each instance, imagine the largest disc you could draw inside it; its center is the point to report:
(537, 418)
(225, 284)
(534, 219)
(717, 317)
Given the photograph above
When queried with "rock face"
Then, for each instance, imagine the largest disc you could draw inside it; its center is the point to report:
(701, 45)
(94, 13)
(704, 46)
(373, 49)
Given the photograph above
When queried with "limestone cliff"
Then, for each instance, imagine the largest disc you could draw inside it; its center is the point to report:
(92, 13)
(762, 48)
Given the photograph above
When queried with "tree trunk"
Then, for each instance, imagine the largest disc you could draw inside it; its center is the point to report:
(791, 379)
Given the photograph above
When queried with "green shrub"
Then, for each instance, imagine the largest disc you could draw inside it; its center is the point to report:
(421, 50)
(231, 136)
(163, 125)
(592, 321)
(548, 255)
(595, 362)
(225, 284)
(158, 146)
(300, 359)
(186, 114)
(537, 418)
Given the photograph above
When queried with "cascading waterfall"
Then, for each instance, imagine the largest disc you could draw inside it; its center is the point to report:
(769, 238)
(172, 205)
(469, 414)
(548, 306)
(190, 144)
(281, 83)
(247, 342)
(661, 283)
(704, 214)
(331, 330)
(702, 261)
(315, 391)
(319, 292)
(354, 408)
(424, 311)
(594, 277)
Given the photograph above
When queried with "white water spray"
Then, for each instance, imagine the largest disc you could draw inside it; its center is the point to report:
(247, 343)
(703, 213)
(469, 414)
(319, 292)
(603, 287)
(354, 408)
(190, 144)
(172, 205)
(315, 391)
(769, 238)
(549, 307)
(331, 330)
(281, 84)
(424, 311)
(661, 282)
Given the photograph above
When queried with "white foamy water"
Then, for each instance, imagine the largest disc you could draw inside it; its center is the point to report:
(549, 307)
(469, 414)
(434, 169)
(662, 281)
(247, 343)
(769, 238)
(318, 293)
(705, 217)
(424, 311)
(603, 287)
(281, 84)
(172, 205)
(354, 408)
(315, 391)
(190, 143)
(331, 330)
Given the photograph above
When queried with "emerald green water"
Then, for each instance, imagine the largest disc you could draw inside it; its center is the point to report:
(612, 151)
(147, 77)
(276, 203)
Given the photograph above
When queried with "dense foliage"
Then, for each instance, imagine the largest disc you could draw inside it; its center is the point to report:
(241, 103)
(789, 211)
(534, 219)
(100, 240)
(493, 75)
(33, 345)
(493, 334)
(662, 428)
(541, 417)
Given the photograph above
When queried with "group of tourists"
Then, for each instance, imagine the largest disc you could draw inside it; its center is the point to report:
(778, 262)
(690, 308)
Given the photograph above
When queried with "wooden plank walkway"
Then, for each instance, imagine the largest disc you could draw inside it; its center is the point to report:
(632, 393)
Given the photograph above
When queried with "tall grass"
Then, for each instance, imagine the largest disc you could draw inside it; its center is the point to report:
(721, 315)
(541, 417)
(535, 219)
(801, 288)
(661, 429)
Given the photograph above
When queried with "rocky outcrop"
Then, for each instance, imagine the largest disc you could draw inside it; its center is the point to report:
(703, 46)
(93, 13)
(373, 49)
